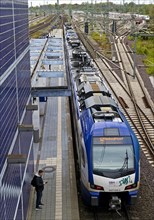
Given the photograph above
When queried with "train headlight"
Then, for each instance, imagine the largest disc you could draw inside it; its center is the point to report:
(96, 187)
(132, 186)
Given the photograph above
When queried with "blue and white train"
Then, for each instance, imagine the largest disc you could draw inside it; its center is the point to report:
(108, 150)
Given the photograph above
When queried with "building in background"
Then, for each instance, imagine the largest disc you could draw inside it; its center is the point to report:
(15, 89)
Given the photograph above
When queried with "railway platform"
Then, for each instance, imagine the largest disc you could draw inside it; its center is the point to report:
(53, 152)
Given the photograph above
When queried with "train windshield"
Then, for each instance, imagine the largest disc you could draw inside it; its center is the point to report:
(113, 157)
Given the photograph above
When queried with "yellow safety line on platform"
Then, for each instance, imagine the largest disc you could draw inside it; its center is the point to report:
(58, 203)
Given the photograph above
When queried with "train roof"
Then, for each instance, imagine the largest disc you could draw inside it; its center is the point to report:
(92, 92)
(88, 70)
(91, 78)
(93, 95)
(102, 108)
(99, 101)
(95, 87)
(95, 104)
(109, 129)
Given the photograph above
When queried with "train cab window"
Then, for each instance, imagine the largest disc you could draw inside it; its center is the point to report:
(113, 157)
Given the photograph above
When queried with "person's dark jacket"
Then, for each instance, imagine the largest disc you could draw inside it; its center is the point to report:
(39, 185)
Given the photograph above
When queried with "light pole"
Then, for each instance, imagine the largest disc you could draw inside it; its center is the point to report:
(70, 9)
(134, 73)
(57, 6)
(92, 14)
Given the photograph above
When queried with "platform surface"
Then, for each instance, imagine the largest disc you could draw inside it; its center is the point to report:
(54, 154)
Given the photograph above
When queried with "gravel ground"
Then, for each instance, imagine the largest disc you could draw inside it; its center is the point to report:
(142, 71)
(144, 207)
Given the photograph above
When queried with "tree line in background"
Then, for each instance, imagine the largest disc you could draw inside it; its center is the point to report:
(102, 8)
(144, 46)
(98, 8)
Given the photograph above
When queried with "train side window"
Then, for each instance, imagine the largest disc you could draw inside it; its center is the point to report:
(82, 157)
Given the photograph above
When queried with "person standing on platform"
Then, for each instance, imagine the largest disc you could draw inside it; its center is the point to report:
(39, 187)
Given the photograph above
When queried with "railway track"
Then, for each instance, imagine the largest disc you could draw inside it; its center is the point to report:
(35, 19)
(99, 213)
(51, 20)
(130, 93)
(138, 109)
(144, 120)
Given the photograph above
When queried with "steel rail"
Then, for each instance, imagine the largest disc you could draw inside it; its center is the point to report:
(94, 53)
(42, 24)
(150, 144)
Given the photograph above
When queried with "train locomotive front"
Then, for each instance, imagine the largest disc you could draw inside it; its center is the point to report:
(110, 169)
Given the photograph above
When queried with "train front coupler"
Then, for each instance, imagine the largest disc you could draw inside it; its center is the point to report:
(115, 203)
